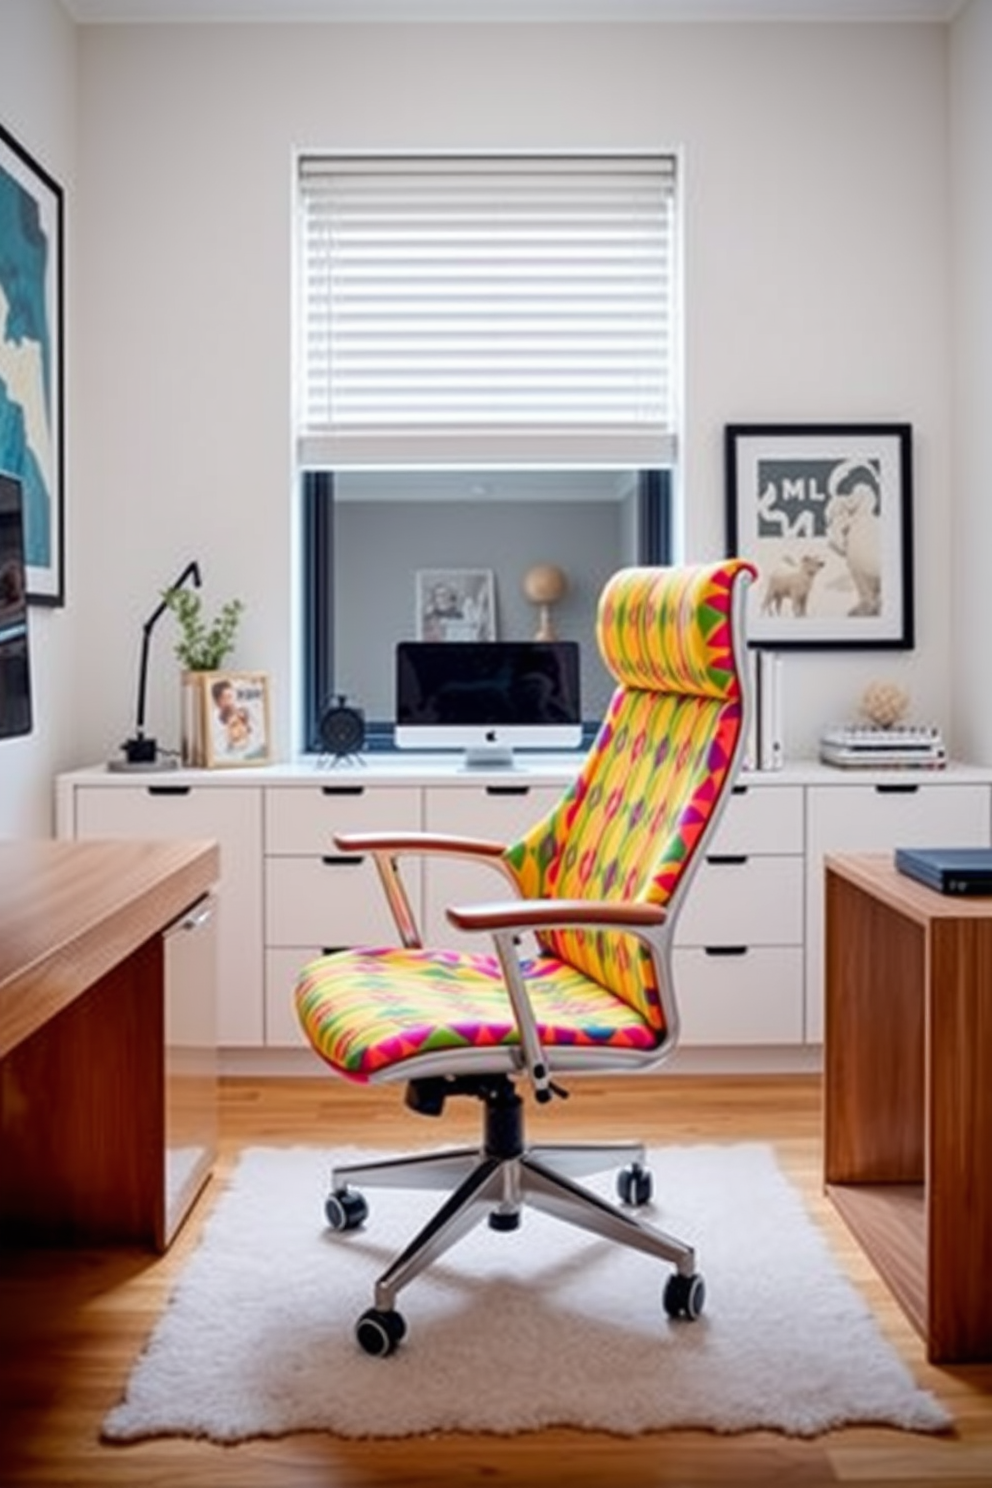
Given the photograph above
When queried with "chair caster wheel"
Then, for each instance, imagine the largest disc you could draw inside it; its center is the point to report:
(634, 1185)
(345, 1209)
(378, 1333)
(501, 1219)
(684, 1296)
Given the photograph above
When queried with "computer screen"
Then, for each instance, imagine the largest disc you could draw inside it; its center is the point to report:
(488, 697)
(15, 678)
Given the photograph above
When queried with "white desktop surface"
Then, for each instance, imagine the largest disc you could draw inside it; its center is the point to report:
(385, 767)
(399, 767)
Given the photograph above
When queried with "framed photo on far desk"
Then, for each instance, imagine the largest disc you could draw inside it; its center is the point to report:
(235, 713)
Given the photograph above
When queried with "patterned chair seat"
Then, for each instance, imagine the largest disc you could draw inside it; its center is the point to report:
(367, 1010)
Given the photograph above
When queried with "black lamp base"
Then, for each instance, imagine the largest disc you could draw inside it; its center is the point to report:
(140, 751)
(142, 754)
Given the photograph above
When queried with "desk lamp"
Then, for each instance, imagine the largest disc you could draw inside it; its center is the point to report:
(140, 752)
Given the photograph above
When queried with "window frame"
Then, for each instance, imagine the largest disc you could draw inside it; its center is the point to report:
(652, 451)
(654, 521)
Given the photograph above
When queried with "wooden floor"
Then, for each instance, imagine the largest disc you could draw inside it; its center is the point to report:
(71, 1326)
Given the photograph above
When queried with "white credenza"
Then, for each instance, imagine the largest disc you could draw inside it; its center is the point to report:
(749, 945)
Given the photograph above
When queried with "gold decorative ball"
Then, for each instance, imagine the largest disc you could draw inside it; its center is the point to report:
(545, 583)
(884, 704)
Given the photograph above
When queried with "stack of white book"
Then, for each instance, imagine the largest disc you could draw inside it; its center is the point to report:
(868, 747)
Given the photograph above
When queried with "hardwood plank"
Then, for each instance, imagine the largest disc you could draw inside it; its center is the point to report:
(890, 1221)
(71, 1324)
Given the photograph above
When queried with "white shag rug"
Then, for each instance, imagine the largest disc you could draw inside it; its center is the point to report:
(543, 1326)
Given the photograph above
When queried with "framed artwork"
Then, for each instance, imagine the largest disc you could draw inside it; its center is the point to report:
(236, 728)
(456, 604)
(825, 513)
(31, 360)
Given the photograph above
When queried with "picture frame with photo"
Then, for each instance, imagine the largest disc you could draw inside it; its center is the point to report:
(824, 511)
(236, 718)
(456, 604)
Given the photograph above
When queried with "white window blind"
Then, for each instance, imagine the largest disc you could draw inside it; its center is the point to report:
(486, 310)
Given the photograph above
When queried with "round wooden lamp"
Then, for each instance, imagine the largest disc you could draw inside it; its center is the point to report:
(544, 585)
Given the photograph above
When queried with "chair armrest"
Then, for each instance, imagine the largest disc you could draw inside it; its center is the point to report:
(505, 921)
(417, 842)
(533, 914)
(386, 848)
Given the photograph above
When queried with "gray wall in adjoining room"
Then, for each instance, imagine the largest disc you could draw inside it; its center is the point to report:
(380, 545)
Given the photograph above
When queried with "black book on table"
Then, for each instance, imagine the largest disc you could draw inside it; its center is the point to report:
(949, 870)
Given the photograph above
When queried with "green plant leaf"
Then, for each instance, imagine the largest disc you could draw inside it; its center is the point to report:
(203, 644)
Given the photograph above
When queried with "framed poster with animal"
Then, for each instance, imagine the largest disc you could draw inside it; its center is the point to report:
(825, 512)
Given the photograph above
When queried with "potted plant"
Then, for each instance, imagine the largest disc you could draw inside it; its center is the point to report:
(202, 647)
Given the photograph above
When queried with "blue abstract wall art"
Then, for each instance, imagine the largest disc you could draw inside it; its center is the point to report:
(31, 389)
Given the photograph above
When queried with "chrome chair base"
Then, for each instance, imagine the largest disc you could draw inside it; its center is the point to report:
(497, 1181)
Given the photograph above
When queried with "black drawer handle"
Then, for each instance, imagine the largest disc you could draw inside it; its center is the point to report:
(730, 950)
(897, 790)
(343, 790)
(739, 790)
(727, 860)
(333, 950)
(507, 790)
(168, 790)
(342, 860)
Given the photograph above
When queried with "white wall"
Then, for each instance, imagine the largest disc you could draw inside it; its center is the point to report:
(38, 107)
(817, 273)
(971, 151)
(816, 282)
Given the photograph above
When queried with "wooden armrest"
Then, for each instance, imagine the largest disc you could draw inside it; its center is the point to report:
(533, 914)
(418, 842)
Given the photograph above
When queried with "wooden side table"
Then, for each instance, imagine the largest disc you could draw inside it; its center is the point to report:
(908, 1093)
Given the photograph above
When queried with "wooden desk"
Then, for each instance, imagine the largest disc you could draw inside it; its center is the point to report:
(104, 1013)
(908, 1093)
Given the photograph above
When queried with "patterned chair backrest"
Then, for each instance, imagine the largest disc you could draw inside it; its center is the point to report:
(661, 762)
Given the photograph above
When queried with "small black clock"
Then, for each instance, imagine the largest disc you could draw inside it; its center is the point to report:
(342, 728)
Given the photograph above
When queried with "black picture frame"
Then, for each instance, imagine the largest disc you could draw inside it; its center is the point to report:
(825, 512)
(32, 387)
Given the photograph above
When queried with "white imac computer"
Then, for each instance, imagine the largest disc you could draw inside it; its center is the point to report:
(488, 697)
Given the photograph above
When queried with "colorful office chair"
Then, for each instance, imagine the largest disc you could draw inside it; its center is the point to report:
(599, 882)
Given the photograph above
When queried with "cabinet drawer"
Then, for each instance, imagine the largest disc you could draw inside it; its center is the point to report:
(501, 813)
(761, 819)
(312, 902)
(743, 900)
(868, 818)
(755, 997)
(232, 815)
(283, 965)
(304, 819)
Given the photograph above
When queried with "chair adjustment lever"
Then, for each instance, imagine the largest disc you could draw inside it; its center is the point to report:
(544, 1094)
